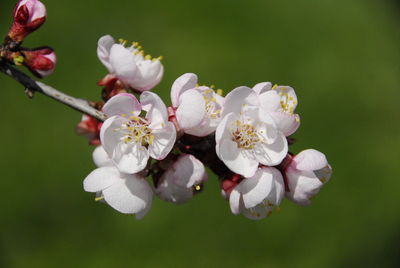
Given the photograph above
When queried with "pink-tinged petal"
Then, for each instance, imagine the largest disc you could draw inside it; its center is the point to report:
(191, 110)
(270, 101)
(149, 74)
(123, 63)
(109, 135)
(303, 185)
(272, 154)
(100, 179)
(234, 201)
(130, 195)
(131, 158)
(101, 158)
(168, 191)
(255, 189)
(184, 82)
(206, 127)
(286, 123)
(222, 131)
(238, 97)
(123, 104)
(156, 110)
(262, 87)
(188, 171)
(164, 140)
(237, 160)
(103, 51)
(140, 215)
(310, 160)
(278, 192)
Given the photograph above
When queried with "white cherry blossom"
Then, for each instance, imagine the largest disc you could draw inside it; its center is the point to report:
(247, 135)
(198, 108)
(280, 102)
(130, 139)
(126, 193)
(255, 197)
(181, 179)
(306, 174)
(129, 64)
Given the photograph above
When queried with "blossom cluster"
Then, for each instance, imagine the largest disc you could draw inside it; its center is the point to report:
(242, 137)
(145, 148)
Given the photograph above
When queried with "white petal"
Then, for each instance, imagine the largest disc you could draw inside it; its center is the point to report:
(255, 189)
(109, 136)
(101, 158)
(286, 123)
(184, 82)
(164, 140)
(149, 74)
(310, 160)
(272, 154)
(236, 160)
(188, 171)
(262, 87)
(303, 185)
(103, 51)
(222, 131)
(122, 104)
(234, 201)
(191, 110)
(123, 63)
(131, 158)
(270, 101)
(238, 97)
(100, 179)
(278, 191)
(131, 195)
(156, 110)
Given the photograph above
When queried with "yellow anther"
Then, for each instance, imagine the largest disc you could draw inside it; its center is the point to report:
(99, 198)
(275, 86)
(19, 60)
(220, 92)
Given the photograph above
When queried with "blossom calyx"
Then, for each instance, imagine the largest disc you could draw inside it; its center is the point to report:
(306, 173)
(40, 61)
(29, 15)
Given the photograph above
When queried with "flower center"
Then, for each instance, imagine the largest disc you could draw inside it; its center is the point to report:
(245, 135)
(137, 130)
(213, 109)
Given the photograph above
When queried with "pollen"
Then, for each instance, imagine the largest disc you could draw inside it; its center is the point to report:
(245, 135)
(136, 130)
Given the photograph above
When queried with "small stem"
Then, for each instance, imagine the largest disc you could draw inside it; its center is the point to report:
(31, 86)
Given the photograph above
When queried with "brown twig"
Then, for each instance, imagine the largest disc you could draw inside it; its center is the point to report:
(31, 86)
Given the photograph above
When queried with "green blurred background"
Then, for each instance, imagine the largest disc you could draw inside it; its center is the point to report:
(341, 56)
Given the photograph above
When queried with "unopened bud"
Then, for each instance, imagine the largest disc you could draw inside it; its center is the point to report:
(41, 61)
(29, 15)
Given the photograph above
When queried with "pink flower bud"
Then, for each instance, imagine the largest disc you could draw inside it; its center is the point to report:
(29, 15)
(41, 61)
(90, 128)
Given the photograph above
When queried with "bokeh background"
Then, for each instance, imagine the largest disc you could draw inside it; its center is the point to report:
(341, 56)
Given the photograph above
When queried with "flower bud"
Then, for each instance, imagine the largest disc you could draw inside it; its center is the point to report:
(41, 61)
(90, 128)
(306, 174)
(257, 196)
(181, 180)
(29, 15)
